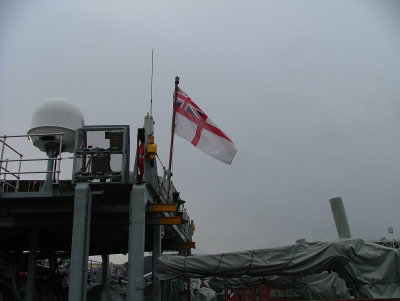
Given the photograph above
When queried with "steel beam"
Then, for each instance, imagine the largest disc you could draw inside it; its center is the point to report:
(171, 207)
(137, 222)
(188, 245)
(156, 254)
(80, 243)
(164, 220)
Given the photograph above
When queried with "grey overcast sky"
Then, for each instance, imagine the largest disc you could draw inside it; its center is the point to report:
(309, 91)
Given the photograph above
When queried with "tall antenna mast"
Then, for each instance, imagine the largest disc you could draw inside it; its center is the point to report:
(151, 83)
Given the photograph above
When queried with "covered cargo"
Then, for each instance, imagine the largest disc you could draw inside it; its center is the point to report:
(317, 270)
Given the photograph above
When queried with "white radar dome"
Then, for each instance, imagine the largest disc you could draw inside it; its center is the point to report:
(55, 116)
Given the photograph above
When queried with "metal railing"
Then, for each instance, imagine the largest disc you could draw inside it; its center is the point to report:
(6, 172)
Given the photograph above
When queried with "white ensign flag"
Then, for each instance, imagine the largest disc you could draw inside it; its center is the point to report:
(192, 124)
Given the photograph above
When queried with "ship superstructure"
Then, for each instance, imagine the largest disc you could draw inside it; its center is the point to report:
(105, 208)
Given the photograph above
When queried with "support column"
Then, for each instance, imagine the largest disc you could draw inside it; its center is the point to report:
(137, 208)
(156, 254)
(80, 243)
(30, 282)
(104, 269)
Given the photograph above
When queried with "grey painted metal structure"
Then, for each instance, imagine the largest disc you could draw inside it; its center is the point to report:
(102, 210)
(390, 243)
(339, 215)
(136, 242)
(157, 252)
(80, 243)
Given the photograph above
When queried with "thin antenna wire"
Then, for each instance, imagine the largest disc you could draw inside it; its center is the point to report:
(151, 83)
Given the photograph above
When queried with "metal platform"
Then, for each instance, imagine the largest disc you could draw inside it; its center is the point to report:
(102, 210)
(52, 212)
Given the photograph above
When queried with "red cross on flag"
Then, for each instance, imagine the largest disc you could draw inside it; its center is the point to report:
(192, 124)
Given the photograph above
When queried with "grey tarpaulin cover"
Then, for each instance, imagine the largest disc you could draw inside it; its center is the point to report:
(312, 269)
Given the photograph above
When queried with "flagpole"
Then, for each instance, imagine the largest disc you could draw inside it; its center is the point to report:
(173, 124)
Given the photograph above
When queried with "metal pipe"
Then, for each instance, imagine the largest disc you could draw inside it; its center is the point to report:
(58, 170)
(23, 160)
(47, 134)
(2, 153)
(58, 162)
(19, 170)
(339, 215)
(50, 171)
(8, 184)
(5, 176)
(9, 146)
(27, 172)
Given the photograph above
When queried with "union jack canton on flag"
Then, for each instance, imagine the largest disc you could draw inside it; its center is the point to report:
(193, 125)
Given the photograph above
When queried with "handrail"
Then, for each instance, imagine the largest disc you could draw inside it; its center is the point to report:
(11, 185)
(19, 160)
(29, 135)
(31, 172)
(5, 170)
(8, 172)
(9, 146)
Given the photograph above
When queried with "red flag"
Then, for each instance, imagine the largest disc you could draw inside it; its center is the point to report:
(193, 124)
